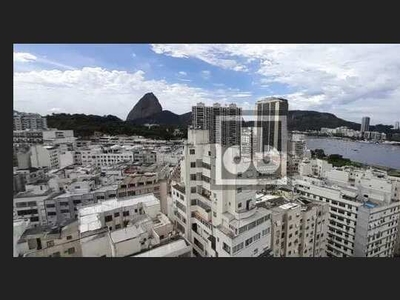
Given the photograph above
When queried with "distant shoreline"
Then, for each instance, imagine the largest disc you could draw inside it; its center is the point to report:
(392, 143)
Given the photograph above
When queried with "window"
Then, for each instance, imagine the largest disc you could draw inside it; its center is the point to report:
(238, 248)
(108, 219)
(125, 213)
(192, 151)
(71, 250)
(257, 237)
(192, 176)
(265, 231)
(65, 211)
(193, 189)
(239, 205)
(193, 164)
(118, 226)
(50, 205)
(209, 153)
(55, 254)
(116, 214)
(69, 237)
(51, 213)
(248, 241)
(226, 248)
(50, 243)
(239, 190)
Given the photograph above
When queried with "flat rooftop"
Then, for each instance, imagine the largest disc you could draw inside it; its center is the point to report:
(180, 188)
(89, 216)
(165, 250)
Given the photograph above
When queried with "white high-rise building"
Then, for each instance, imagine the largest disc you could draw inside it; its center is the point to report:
(397, 125)
(220, 221)
(362, 223)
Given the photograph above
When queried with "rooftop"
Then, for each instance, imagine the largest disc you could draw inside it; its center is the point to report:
(179, 188)
(165, 250)
(89, 216)
(126, 233)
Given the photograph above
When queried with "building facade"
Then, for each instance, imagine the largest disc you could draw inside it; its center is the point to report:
(222, 123)
(365, 124)
(23, 121)
(219, 221)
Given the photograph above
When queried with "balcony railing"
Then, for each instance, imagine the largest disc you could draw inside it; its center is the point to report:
(197, 216)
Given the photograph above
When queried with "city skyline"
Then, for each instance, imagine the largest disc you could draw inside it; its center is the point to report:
(350, 81)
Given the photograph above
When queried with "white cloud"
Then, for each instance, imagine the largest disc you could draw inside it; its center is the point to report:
(100, 91)
(182, 73)
(334, 78)
(242, 95)
(211, 53)
(133, 54)
(24, 57)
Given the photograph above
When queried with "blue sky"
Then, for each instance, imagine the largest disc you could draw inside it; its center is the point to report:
(347, 80)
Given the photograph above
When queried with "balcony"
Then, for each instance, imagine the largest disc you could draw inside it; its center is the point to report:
(203, 221)
(206, 194)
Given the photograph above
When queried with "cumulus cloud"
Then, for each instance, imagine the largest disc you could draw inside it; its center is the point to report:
(335, 78)
(101, 91)
(24, 57)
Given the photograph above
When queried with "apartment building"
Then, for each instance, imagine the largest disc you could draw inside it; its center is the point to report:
(299, 226)
(24, 121)
(27, 137)
(222, 123)
(30, 205)
(219, 221)
(314, 167)
(104, 156)
(65, 206)
(32, 175)
(51, 241)
(271, 129)
(296, 153)
(359, 224)
(45, 156)
(123, 227)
